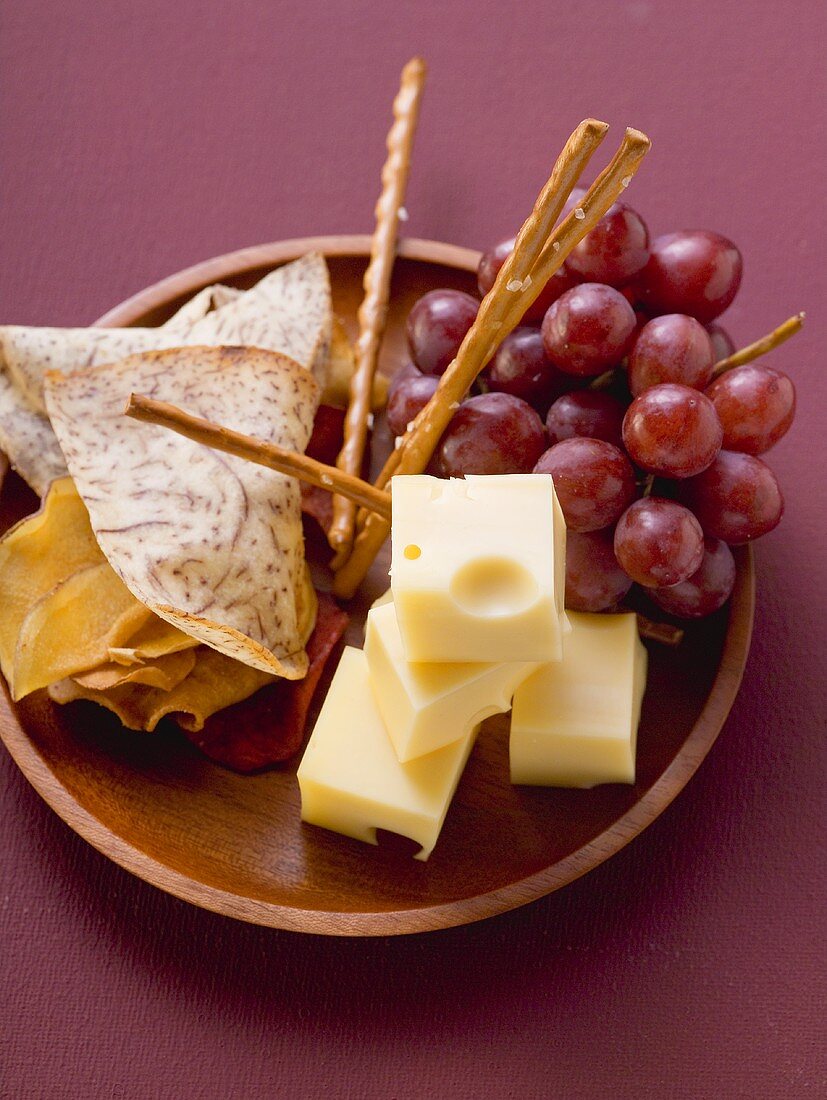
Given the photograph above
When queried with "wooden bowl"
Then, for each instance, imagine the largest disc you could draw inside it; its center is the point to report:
(236, 845)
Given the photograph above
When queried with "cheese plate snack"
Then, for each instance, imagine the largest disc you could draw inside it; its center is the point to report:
(574, 722)
(426, 706)
(478, 568)
(351, 780)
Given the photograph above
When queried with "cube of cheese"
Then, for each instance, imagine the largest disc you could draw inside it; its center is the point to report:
(424, 705)
(350, 779)
(574, 722)
(478, 568)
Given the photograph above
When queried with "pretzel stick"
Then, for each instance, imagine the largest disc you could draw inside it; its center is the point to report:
(496, 318)
(752, 351)
(259, 451)
(513, 304)
(489, 328)
(373, 312)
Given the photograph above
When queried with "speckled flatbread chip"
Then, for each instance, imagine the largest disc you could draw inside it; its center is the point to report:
(209, 542)
(205, 301)
(27, 439)
(288, 311)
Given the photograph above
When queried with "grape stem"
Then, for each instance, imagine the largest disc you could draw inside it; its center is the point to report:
(752, 351)
(603, 381)
(664, 633)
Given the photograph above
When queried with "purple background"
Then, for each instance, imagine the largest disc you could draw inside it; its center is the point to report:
(140, 137)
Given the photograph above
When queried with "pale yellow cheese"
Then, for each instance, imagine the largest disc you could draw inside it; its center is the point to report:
(350, 779)
(574, 722)
(425, 705)
(478, 568)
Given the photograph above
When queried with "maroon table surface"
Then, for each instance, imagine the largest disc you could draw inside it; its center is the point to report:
(140, 137)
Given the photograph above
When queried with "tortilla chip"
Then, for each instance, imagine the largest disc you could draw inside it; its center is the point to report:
(70, 629)
(154, 639)
(164, 672)
(209, 542)
(340, 370)
(288, 311)
(38, 554)
(27, 438)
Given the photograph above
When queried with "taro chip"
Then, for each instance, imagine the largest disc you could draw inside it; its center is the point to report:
(214, 682)
(38, 554)
(164, 672)
(154, 639)
(70, 629)
(27, 439)
(210, 543)
(340, 371)
(288, 311)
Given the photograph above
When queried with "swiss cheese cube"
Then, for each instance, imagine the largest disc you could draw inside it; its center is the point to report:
(425, 705)
(350, 779)
(574, 722)
(478, 568)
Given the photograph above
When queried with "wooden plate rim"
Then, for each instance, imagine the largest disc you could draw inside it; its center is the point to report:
(388, 922)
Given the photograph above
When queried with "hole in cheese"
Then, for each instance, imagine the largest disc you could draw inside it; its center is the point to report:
(412, 552)
(493, 586)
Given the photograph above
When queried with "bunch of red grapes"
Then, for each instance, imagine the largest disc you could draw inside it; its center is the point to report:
(608, 386)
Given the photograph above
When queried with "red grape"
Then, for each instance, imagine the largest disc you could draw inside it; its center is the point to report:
(737, 498)
(406, 371)
(493, 433)
(722, 343)
(594, 481)
(709, 587)
(695, 271)
(658, 542)
(672, 430)
(588, 329)
(590, 413)
(521, 367)
(755, 404)
(615, 250)
(672, 348)
(437, 325)
(594, 580)
(490, 264)
(409, 397)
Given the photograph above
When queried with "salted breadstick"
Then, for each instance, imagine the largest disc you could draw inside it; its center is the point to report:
(374, 309)
(499, 315)
(259, 451)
